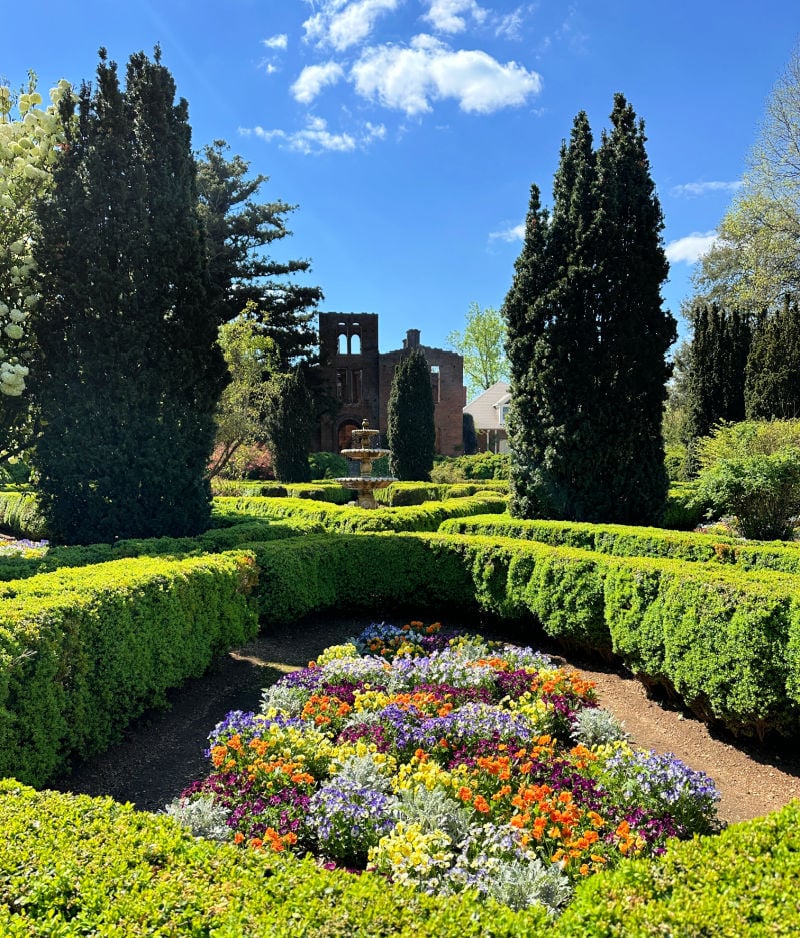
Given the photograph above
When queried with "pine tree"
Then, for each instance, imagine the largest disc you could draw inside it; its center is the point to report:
(242, 276)
(130, 371)
(772, 388)
(411, 429)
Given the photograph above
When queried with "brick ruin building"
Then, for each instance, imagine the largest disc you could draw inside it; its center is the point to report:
(359, 376)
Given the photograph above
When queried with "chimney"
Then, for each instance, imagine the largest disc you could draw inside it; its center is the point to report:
(412, 340)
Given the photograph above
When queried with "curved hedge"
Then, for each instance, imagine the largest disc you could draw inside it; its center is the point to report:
(348, 519)
(74, 866)
(83, 651)
(20, 566)
(725, 641)
(630, 541)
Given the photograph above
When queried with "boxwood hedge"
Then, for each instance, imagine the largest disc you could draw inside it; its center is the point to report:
(83, 651)
(75, 866)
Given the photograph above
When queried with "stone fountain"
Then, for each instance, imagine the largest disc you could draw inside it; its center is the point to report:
(365, 449)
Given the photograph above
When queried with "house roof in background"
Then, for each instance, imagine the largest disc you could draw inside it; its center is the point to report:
(485, 409)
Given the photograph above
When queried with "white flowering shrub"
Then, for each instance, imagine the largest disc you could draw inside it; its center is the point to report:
(29, 139)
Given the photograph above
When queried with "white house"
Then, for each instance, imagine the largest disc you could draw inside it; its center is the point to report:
(489, 411)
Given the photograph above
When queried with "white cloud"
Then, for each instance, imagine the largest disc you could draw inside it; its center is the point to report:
(446, 15)
(316, 138)
(270, 69)
(514, 233)
(280, 41)
(342, 24)
(701, 188)
(510, 25)
(690, 249)
(313, 79)
(409, 78)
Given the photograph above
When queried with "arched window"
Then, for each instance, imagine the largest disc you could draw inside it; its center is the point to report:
(346, 434)
(343, 343)
(355, 344)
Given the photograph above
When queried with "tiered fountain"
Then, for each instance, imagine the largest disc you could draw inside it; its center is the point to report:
(365, 449)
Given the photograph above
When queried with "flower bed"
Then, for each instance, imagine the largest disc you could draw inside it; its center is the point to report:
(447, 763)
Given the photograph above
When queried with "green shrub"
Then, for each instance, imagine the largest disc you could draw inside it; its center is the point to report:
(751, 470)
(319, 492)
(684, 509)
(221, 486)
(85, 650)
(327, 465)
(742, 882)
(75, 866)
(466, 468)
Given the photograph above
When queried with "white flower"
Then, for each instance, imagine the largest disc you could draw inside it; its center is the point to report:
(14, 331)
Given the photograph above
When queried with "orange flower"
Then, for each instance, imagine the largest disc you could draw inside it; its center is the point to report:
(238, 837)
(481, 804)
(465, 794)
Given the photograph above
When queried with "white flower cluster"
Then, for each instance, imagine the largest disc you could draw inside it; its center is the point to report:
(29, 141)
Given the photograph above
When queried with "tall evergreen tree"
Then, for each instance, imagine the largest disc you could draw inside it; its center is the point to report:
(588, 337)
(716, 369)
(129, 367)
(288, 424)
(525, 312)
(242, 275)
(772, 388)
(411, 429)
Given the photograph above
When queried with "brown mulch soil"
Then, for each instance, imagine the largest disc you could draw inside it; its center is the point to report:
(163, 752)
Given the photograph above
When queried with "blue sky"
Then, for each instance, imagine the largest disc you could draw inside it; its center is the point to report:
(408, 132)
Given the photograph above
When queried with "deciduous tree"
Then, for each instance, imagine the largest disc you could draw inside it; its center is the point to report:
(482, 346)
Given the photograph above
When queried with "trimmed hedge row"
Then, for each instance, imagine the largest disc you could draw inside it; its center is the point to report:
(349, 519)
(73, 866)
(399, 494)
(724, 641)
(742, 882)
(83, 651)
(626, 541)
(18, 566)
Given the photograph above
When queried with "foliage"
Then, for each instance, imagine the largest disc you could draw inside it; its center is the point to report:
(751, 470)
(469, 435)
(737, 883)
(241, 413)
(129, 367)
(30, 136)
(123, 633)
(327, 465)
(445, 762)
(482, 347)
(771, 386)
(411, 433)
(755, 262)
(480, 466)
(288, 422)
(146, 875)
(242, 275)
(715, 379)
(587, 336)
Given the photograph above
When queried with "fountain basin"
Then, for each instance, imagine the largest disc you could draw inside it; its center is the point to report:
(363, 487)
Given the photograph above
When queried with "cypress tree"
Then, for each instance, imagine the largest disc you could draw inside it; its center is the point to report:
(288, 424)
(411, 429)
(716, 374)
(525, 313)
(130, 371)
(634, 332)
(772, 388)
(588, 337)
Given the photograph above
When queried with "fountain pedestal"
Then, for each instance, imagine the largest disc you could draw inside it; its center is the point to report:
(364, 449)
